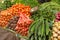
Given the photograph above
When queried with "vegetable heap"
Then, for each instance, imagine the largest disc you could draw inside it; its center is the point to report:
(13, 22)
(15, 10)
(56, 28)
(40, 28)
(56, 31)
(23, 25)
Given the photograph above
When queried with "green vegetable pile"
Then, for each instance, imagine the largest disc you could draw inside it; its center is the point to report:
(45, 16)
(32, 3)
(57, 1)
(4, 4)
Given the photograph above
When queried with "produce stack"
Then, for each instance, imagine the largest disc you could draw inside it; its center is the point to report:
(56, 31)
(20, 24)
(18, 18)
(23, 25)
(15, 10)
(13, 22)
(56, 28)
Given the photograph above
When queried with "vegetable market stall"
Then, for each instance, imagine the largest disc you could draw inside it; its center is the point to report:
(31, 19)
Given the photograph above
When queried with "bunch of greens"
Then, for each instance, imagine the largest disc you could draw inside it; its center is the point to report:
(32, 3)
(47, 10)
(57, 1)
(45, 16)
(4, 4)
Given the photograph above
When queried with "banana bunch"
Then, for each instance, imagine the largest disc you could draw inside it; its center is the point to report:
(56, 31)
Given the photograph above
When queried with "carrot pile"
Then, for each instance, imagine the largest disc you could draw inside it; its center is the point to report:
(6, 15)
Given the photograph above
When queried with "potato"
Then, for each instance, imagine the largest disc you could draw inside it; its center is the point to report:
(55, 29)
(58, 27)
(59, 37)
(58, 32)
(55, 39)
(55, 34)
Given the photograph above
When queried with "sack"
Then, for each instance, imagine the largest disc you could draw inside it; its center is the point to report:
(6, 35)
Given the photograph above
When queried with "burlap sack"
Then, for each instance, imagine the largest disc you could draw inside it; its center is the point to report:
(6, 35)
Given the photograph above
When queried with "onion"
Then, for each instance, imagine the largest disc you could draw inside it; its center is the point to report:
(55, 39)
(55, 34)
(55, 29)
(59, 37)
(58, 27)
(55, 24)
(52, 38)
(58, 32)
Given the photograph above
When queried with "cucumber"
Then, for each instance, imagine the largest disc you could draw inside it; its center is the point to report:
(47, 27)
(42, 28)
(33, 37)
(39, 37)
(30, 37)
(32, 27)
(36, 28)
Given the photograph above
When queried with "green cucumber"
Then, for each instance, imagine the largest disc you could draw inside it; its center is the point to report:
(36, 28)
(30, 36)
(33, 37)
(42, 28)
(39, 28)
(39, 37)
(32, 27)
(47, 27)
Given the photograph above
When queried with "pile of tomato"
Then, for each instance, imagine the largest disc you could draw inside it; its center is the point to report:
(23, 25)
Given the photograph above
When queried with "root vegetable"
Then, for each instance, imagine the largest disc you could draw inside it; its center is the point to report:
(55, 39)
(55, 34)
(58, 32)
(55, 29)
(59, 37)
